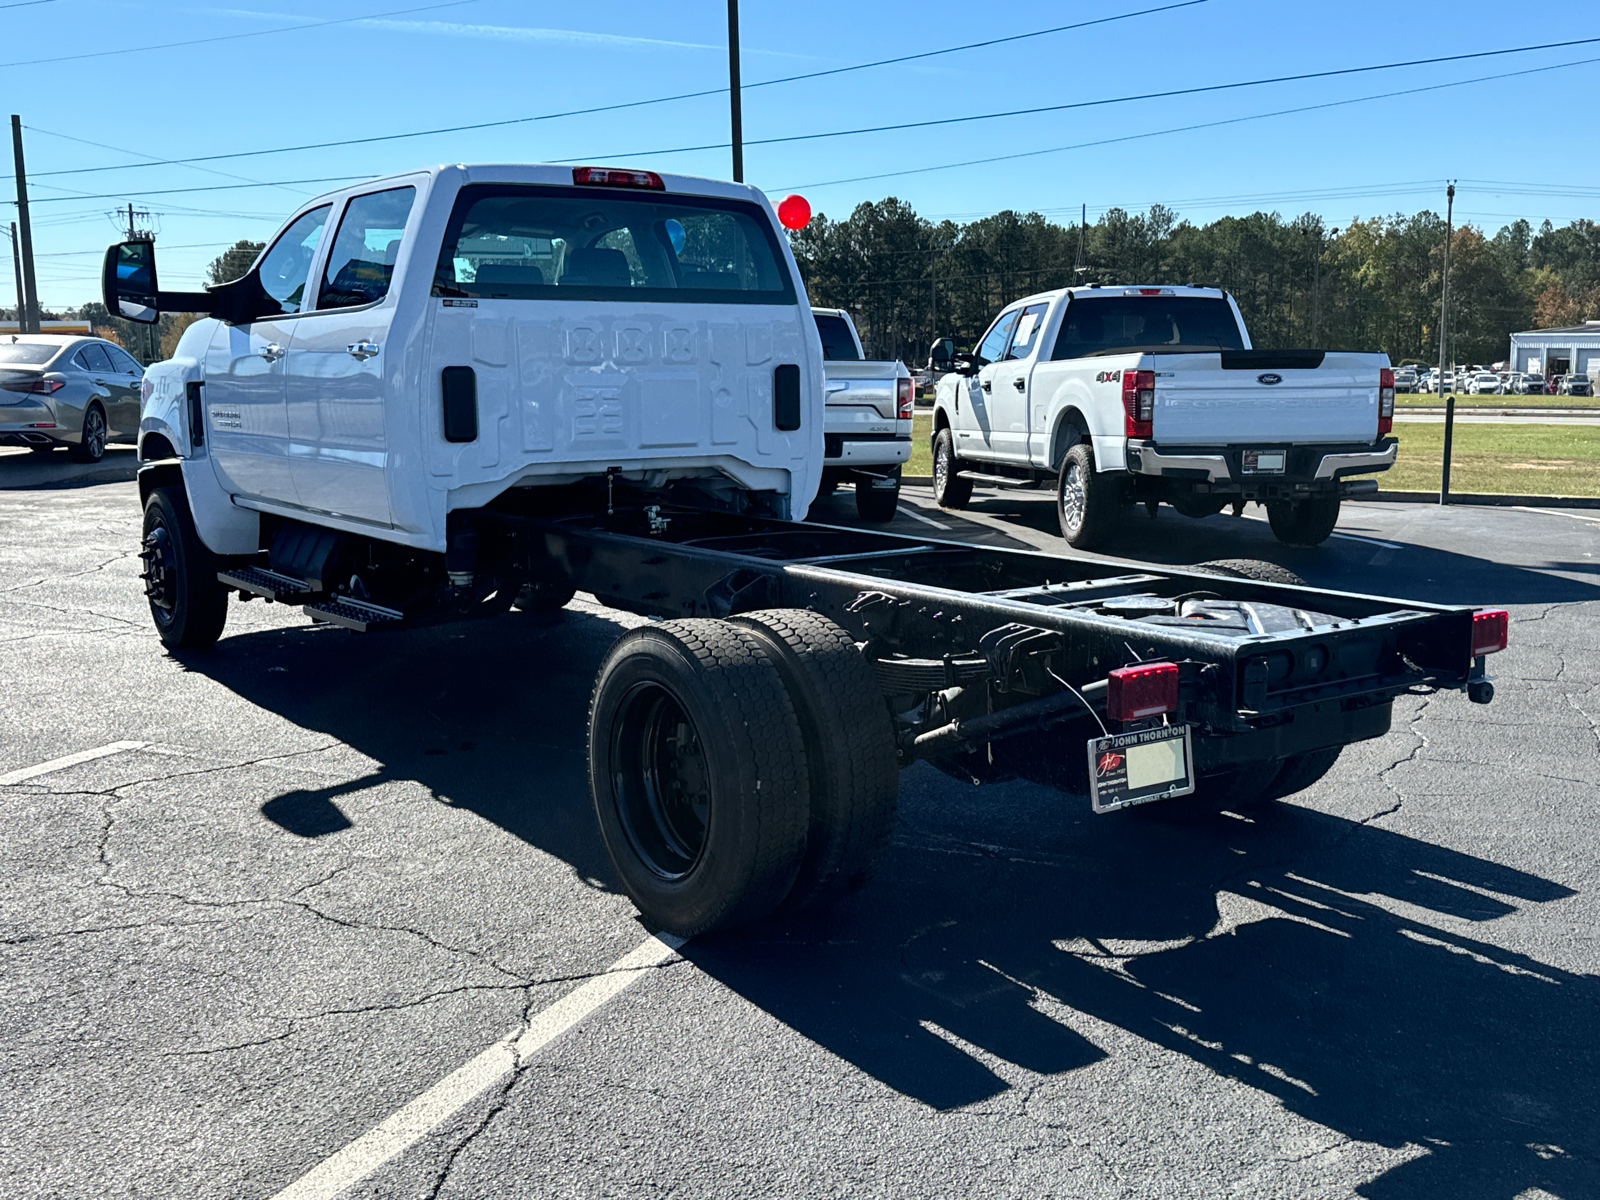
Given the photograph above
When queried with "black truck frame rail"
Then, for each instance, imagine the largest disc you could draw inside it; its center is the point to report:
(972, 644)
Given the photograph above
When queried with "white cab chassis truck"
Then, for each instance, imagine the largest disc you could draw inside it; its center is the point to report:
(462, 391)
(1120, 396)
(867, 424)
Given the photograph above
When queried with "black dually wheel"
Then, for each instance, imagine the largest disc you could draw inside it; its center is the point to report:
(187, 602)
(698, 773)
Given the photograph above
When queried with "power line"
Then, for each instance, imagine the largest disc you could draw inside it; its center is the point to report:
(605, 108)
(25, 4)
(230, 37)
(1133, 137)
(155, 159)
(216, 187)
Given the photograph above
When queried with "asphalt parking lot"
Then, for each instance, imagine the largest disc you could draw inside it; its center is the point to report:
(256, 902)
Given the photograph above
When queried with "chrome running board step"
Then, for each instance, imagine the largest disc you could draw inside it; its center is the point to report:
(274, 585)
(361, 616)
(1000, 481)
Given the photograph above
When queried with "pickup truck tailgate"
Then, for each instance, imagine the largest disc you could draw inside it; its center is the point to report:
(1200, 402)
(865, 386)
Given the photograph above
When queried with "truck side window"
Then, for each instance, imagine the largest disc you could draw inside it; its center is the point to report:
(837, 344)
(1028, 330)
(362, 259)
(994, 342)
(287, 266)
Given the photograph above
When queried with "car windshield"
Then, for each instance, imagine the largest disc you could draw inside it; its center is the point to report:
(1148, 324)
(837, 344)
(33, 353)
(561, 243)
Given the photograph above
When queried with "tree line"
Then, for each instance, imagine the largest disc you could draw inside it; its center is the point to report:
(1373, 285)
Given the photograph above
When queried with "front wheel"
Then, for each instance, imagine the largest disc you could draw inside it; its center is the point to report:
(1305, 522)
(1088, 505)
(950, 488)
(188, 604)
(697, 769)
(878, 497)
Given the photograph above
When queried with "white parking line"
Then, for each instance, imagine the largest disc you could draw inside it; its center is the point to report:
(907, 511)
(466, 1083)
(69, 760)
(1555, 512)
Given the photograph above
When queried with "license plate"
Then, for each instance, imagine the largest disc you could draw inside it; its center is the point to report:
(1135, 768)
(1264, 462)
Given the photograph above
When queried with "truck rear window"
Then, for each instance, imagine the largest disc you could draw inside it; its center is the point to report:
(561, 243)
(837, 344)
(1146, 324)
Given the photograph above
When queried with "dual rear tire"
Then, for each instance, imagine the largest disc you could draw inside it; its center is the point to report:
(739, 767)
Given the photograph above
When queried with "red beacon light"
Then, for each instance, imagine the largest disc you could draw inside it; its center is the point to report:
(794, 212)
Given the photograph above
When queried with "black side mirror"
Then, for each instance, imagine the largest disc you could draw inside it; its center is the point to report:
(941, 355)
(966, 364)
(128, 282)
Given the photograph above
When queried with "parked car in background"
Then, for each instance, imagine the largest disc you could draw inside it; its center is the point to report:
(1576, 385)
(59, 390)
(1483, 383)
(866, 427)
(1552, 385)
(1405, 379)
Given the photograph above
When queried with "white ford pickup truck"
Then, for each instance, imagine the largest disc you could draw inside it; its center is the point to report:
(1127, 395)
(867, 427)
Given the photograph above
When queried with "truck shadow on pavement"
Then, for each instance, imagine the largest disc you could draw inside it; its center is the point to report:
(1012, 944)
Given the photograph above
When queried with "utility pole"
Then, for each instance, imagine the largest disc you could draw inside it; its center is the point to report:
(733, 92)
(28, 320)
(1444, 318)
(16, 266)
(1079, 266)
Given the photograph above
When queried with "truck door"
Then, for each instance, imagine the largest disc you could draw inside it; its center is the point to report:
(338, 364)
(247, 424)
(974, 423)
(1008, 401)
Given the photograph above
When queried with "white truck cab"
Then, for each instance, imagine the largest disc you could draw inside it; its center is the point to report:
(1122, 395)
(422, 344)
(867, 425)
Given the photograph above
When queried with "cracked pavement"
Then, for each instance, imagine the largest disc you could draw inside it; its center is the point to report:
(338, 868)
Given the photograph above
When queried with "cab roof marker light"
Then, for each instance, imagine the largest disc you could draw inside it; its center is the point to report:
(615, 177)
(1148, 292)
(1490, 631)
(1147, 690)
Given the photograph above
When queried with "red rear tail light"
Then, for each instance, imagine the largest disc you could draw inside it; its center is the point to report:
(45, 386)
(1139, 401)
(1489, 631)
(1385, 400)
(1143, 691)
(906, 395)
(612, 177)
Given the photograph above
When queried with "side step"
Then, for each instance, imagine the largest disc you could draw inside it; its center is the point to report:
(360, 615)
(1002, 481)
(274, 585)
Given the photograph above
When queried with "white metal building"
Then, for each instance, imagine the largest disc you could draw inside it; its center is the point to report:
(1573, 349)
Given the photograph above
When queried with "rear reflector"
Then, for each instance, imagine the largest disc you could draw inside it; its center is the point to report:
(1143, 691)
(1139, 402)
(1385, 400)
(612, 177)
(906, 397)
(1489, 631)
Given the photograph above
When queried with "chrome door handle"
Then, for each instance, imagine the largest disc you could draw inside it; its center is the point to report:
(1020, 384)
(362, 350)
(272, 352)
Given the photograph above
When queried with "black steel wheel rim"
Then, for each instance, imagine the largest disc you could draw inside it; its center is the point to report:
(660, 781)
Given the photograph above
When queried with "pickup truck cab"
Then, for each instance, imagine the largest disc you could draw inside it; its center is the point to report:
(1124, 395)
(867, 425)
(412, 348)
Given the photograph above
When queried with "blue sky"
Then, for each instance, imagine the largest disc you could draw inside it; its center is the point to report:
(1521, 146)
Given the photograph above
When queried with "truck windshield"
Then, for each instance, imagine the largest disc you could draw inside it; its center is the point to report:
(1146, 324)
(837, 344)
(563, 243)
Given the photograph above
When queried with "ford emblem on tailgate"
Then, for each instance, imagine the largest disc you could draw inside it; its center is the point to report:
(1269, 379)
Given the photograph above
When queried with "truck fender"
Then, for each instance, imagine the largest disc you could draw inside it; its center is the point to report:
(223, 526)
(164, 410)
(1071, 427)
